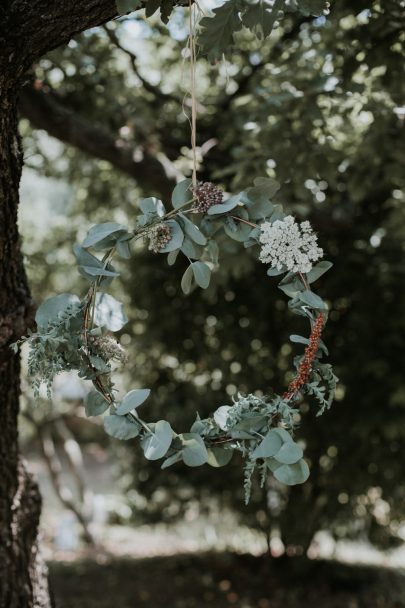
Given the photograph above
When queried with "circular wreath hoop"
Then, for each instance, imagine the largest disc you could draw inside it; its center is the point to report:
(77, 334)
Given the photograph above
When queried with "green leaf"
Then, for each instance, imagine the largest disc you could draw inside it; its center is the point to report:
(109, 312)
(191, 249)
(95, 404)
(312, 7)
(292, 474)
(278, 213)
(269, 446)
(217, 32)
(90, 266)
(193, 231)
(251, 423)
(312, 300)
(49, 311)
(177, 237)
(182, 193)
(166, 8)
(100, 232)
(221, 416)
(99, 364)
(299, 339)
(226, 206)
(151, 7)
(273, 464)
(198, 426)
(218, 457)
(260, 16)
(202, 274)
(275, 272)
(132, 400)
(238, 231)
(121, 427)
(285, 435)
(318, 270)
(172, 257)
(155, 446)
(194, 452)
(289, 453)
(242, 435)
(127, 6)
(176, 457)
(187, 280)
(122, 248)
(261, 209)
(213, 251)
(291, 285)
(152, 207)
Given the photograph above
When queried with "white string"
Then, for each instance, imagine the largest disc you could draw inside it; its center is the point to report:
(193, 91)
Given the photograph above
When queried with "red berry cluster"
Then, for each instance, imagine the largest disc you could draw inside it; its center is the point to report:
(305, 367)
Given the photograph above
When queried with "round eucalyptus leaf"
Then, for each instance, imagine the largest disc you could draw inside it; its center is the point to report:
(193, 231)
(99, 232)
(289, 453)
(177, 237)
(95, 404)
(121, 427)
(275, 272)
(182, 193)
(318, 270)
(132, 400)
(292, 474)
(172, 257)
(191, 249)
(237, 230)
(269, 446)
(227, 205)
(157, 443)
(176, 457)
(221, 416)
(202, 274)
(312, 300)
(187, 280)
(152, 206)
(109, 312)
(285, 435)
(273, 464)
(194, 451)
(218, 457)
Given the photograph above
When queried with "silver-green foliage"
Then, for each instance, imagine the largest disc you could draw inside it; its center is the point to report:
(74, 334)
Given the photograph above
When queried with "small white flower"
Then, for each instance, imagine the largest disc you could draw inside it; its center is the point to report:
(288, 244)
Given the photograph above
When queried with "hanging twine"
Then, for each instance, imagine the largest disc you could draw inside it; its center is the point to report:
(192, 47)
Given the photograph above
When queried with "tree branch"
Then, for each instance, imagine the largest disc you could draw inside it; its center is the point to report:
(45, 111)
(156, 91)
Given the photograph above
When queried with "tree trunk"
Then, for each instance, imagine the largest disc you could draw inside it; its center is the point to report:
(23, 577)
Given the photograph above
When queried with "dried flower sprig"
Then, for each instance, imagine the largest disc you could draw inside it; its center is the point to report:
(305, 367)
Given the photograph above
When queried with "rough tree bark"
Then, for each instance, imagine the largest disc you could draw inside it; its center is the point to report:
(20, 503)
(27, 31)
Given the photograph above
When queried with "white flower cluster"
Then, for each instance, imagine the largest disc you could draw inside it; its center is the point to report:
(287, 244)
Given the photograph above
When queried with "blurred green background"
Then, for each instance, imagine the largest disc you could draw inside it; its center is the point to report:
(320, 107)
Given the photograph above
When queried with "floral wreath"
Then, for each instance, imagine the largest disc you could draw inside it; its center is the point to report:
(77, 334)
